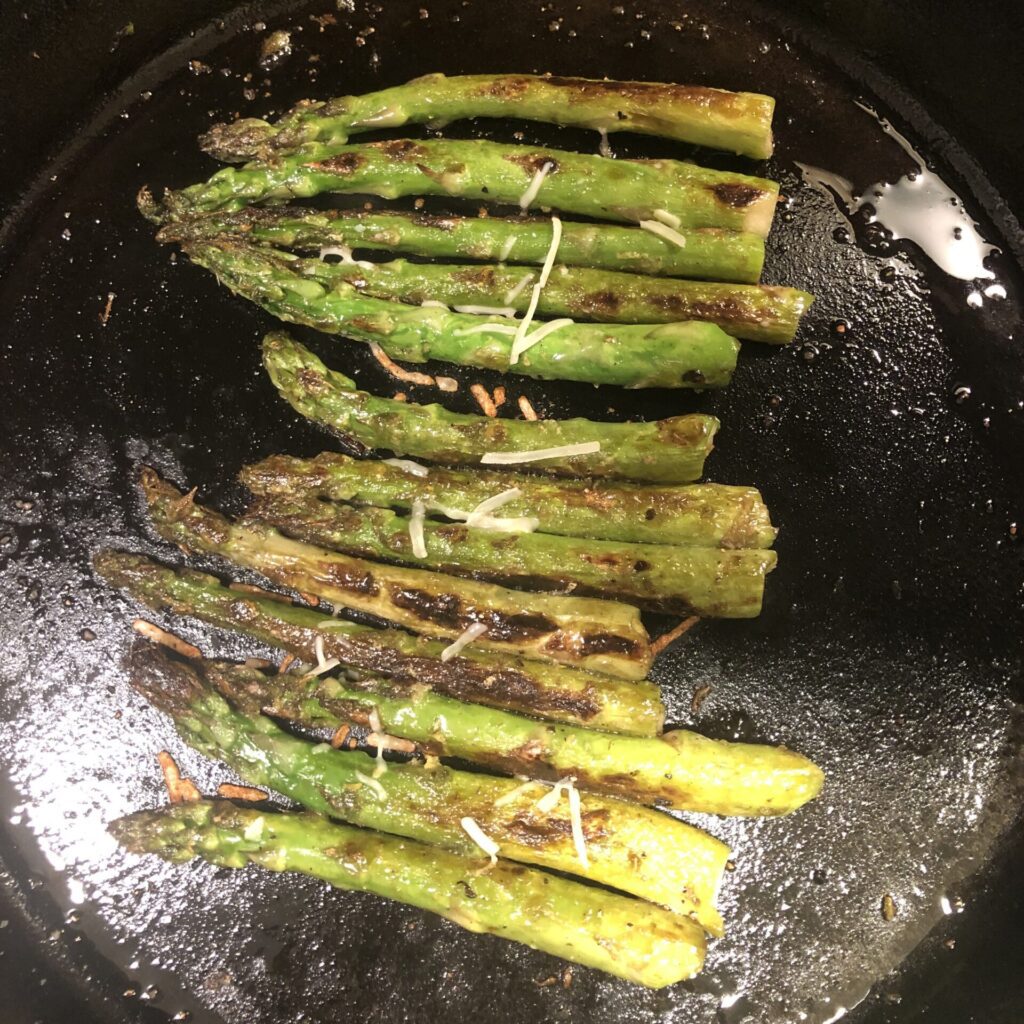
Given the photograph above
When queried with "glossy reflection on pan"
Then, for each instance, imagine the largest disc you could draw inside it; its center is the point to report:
(880, 440)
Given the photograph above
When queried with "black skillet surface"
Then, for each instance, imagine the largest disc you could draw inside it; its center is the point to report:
(889, 648)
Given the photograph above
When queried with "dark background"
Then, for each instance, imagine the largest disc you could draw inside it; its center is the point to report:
(961, 61)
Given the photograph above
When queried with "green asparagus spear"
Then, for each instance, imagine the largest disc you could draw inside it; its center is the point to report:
(694, 515)
(495, 680)
(624, 190)
(736, 121)
(600, 635)
(666, 451)
(628, 938)
(632, 848)
(679, 769)
(661, 577)
(691, 352)
(709, 253)
(671, 355)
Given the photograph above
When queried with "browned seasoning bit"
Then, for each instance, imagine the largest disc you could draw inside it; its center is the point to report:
(888, 908)
(286, 663)
(185, 502)
(105, 315)
(399, 396)
(673, 634)
(730, 865)
(249, 793)
(340, 737)
(409, 376)
(260, 663)
(419, 204)
(526, 408)
(161, 636)
(483, 399)
(310, 599)
(950, 943)
(499, 396)
(567, 978)
(447, 383)
(547, 982)
(179, 790)
(700, 694)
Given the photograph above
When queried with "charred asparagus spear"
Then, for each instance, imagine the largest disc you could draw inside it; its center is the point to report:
(736, 121)
(709, 253)
(683, 194)
(496, 680)
(667, 451)
(694, 515)
(599, 635)
(679, 769)
(688, 352)
(662, 577)
(632, 848)
(670, 355)
(628, 938)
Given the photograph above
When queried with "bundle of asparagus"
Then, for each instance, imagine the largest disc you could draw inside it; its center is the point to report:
(546, 682)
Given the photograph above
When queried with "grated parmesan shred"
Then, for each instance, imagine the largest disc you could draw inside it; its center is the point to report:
(484, 841)
(655, 227)
(408, 466)
(506, 248)
(513, 794)
(545, 273)
(419, 544)
(518, 290)
(381, 766)
(378, 790)
(667, 218)
(470, 634)
(493, 328)
(493, 503)
(564, 451)
(537, 336)
(535, 183)
(345, 253)
(576, 821)
(432, 304)
(486, 310)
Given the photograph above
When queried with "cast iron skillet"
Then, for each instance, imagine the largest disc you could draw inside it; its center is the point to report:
(887, 441)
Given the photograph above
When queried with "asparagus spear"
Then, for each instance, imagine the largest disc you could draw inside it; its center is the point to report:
(709, 253)
(672, 355)
(661, 577)
(495, 680)
(681, 770)
(694, 515)
(737, 121)
(600, 635)
(692, 352)
(666, 451)
(628, 938)
(624, 190)
(632, 848)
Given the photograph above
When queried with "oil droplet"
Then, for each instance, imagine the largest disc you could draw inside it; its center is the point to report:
(921, 207)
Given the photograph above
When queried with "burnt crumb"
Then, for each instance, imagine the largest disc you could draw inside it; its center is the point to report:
(737, 195)
(888, 908)
(693, 377)
(700, 694)
(641, 566)
(534, 162)
(649, 514)
(467, 889)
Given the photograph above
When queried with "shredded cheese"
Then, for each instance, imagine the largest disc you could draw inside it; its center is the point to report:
(318, 647)
(489, 505)
(467, 637)
(512, 524)
(381, 766)
(494, 328)
(378, 790)
(407, 466)
(484, 841)
(506, 248)
(518, 290)
(537, 336)
(323, 664)
(667, 218)
(549, 801)
(655, 227)
(545, 273)
(345, 253)
(602, 147)
(535, 183)
(486, 310)
(419, 545)
(513, 794)
(432, 304)
(447, 383)
(576, 821)
(564, 451)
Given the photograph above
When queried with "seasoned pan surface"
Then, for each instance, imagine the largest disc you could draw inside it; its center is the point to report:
(886, 440)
